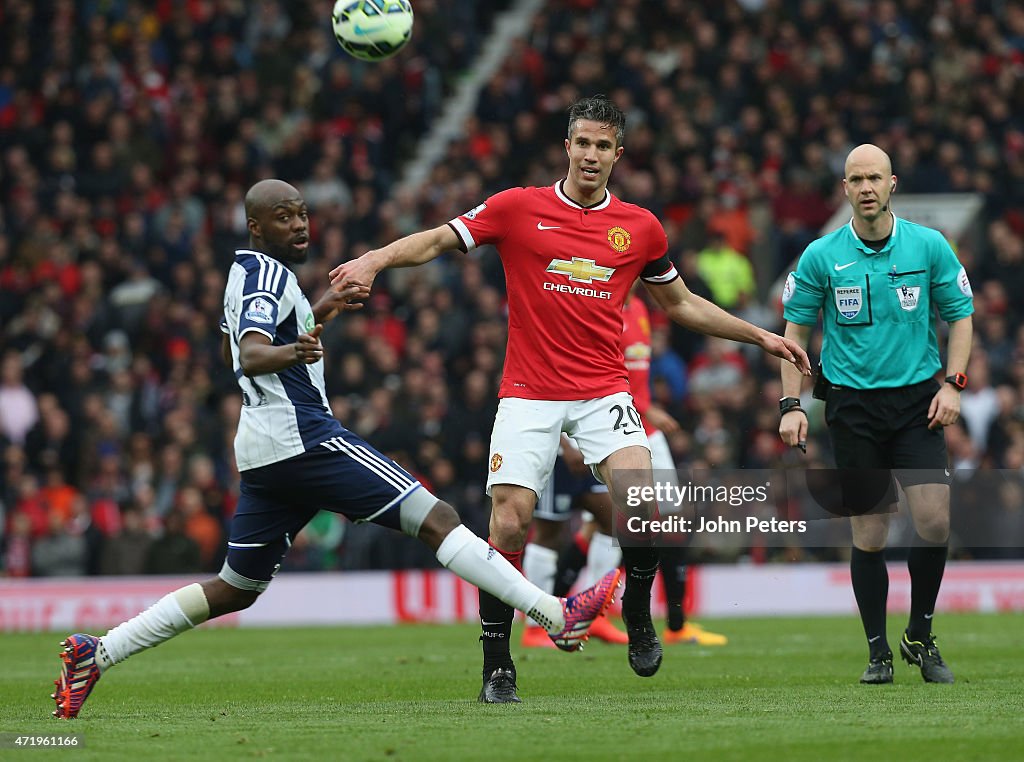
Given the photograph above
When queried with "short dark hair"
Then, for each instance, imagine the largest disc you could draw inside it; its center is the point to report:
(601, 110)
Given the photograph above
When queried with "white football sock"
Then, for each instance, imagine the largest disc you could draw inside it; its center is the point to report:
(479, 564)
(539, 566)
(171, 615)
(603, 556)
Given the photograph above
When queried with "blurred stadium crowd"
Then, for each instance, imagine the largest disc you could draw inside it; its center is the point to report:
(129, 132)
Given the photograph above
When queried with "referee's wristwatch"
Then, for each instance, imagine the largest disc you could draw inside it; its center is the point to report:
(959, 380)
(787, 404)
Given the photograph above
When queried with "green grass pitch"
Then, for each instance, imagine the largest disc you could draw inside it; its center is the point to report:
(783, 689)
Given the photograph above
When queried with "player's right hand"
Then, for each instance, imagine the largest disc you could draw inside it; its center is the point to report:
(339, 299)
(793, 428)
(360, 271)
(308, 348)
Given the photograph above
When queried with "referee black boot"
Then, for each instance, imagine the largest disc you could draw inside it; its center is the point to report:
(879, 671)
(925, 654)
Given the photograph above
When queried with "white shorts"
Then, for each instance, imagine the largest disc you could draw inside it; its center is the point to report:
(661, 453)
(664, 466)
(527, 433)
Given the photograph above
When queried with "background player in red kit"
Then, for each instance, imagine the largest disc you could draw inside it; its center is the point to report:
(636, 347)
(593, 547)
(571, 253)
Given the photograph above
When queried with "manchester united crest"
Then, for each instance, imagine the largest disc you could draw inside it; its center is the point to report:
(618, 238)
(495, 462)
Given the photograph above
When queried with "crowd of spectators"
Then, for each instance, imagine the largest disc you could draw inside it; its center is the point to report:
(129, 132)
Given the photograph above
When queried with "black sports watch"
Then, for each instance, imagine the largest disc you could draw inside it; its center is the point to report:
(789, 403)
(959, 380)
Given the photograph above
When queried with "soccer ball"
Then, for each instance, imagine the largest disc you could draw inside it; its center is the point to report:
(372, 30)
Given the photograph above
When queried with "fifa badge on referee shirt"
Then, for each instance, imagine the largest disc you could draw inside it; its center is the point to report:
(849, 300)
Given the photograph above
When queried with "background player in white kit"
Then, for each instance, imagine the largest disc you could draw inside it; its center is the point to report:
(571, 253)
(295, 459)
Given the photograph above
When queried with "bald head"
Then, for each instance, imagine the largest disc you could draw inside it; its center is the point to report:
(266, 194)
(868, 183)
(278, 220)
(869, 155)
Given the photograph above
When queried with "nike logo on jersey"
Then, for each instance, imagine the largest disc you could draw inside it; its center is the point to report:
(843, 267)
(542, 226)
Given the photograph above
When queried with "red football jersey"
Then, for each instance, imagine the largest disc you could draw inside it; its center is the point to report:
(636, 348)
(568, 270)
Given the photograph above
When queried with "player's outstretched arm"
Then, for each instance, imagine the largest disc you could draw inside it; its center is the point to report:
(698, 314)
(258, 356)
(415, 249)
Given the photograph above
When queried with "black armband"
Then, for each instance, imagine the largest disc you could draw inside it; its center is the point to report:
(660, 271)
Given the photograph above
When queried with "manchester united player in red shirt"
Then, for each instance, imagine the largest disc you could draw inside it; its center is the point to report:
(571, 252)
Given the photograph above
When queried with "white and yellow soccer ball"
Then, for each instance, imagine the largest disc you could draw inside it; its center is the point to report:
(372, 30)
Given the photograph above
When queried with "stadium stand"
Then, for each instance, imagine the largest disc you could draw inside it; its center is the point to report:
(129, 130)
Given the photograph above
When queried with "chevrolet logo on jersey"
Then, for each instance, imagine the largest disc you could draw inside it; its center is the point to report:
(581, 270)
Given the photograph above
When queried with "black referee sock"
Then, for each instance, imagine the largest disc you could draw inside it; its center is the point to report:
(926, 564)
(641, 567)
(871, 589)
(570, 561)
(673, 575)
(496, 622)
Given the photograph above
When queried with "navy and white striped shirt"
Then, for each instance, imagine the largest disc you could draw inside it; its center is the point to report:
(284, 413)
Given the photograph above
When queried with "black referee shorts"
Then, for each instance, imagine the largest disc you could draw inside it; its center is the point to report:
(878, 434)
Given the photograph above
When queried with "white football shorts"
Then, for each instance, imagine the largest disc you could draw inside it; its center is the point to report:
(664, 466)
(526, 436)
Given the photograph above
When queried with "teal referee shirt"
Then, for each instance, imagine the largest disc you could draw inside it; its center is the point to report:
(877, 308)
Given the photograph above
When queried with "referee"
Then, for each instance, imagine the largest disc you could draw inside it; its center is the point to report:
(877, 282)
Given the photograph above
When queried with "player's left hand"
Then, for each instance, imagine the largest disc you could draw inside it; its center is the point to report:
(945, 407)
(788, 350)
(339, 298)
(307, 346)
